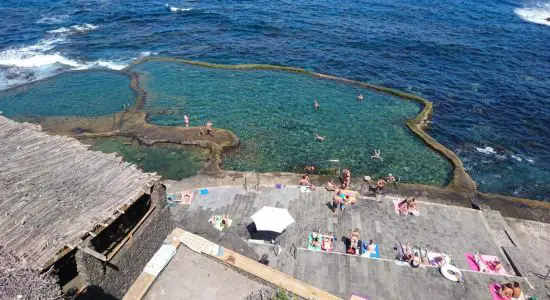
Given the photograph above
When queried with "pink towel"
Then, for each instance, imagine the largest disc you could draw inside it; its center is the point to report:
(187, 197)
(473, 266)
(493, 289)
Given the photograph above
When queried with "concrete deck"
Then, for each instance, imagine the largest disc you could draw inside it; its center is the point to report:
(191, 275)
(440, 228)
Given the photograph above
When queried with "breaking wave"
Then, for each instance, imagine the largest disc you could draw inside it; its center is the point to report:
(177, 9)
(537, 13)
(24, 64)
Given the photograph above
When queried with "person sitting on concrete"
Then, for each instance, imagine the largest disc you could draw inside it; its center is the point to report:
(330, 186)
(380, 185)
(346, 178)
(338, 201)
(315, 240)
(354, 242)
(390, 179)
(305, 182)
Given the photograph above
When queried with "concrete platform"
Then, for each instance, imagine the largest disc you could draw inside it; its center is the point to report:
(191, 275)
(439, 228)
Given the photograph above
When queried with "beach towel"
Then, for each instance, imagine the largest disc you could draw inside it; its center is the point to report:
(216, 221)
(187, 197)
(372, 254)
(486, 258)
(278, 186)
(310, 239)
(493, 287)
(204, 192)
(435, 258)
(305, 189)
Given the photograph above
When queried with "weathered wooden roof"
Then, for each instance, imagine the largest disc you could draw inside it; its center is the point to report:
(53, 190)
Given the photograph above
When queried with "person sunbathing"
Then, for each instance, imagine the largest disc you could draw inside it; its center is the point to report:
(517, 294)
(327, 243)
(315, 240)
(371, 247)
(481, 263)
(330, 186)
(405, 252)
(506, 290)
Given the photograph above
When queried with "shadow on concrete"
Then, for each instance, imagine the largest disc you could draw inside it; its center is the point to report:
(263, 235)
(94, 292)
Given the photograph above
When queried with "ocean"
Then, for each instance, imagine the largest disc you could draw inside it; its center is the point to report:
(485, 65)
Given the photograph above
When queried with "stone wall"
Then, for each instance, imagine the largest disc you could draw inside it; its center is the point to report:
(115, 277)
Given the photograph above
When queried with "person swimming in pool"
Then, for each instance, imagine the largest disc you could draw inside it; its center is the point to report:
(316, 106)
(376, 155)
(320, 138)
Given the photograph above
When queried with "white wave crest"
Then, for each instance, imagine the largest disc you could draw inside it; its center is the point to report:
(79, 28)
(113, 65)
(84, 27)
(537, 13)
(177, 9)
(486, 150)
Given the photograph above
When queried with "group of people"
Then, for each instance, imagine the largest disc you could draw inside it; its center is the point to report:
(208, 131)
(407, 206)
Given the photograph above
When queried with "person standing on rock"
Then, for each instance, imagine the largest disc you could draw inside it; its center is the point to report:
(186, 120)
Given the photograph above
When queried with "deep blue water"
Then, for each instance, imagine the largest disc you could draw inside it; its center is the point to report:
(485, 64)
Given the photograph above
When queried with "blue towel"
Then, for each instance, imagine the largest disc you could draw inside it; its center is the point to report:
(204, 192)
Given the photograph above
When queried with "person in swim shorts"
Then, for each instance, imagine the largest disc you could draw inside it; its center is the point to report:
(186, 120)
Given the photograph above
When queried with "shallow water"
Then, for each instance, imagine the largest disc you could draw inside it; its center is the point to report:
(170, 161)
(272, 112)
(89, 93)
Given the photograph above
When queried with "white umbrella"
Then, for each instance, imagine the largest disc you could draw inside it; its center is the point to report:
(272, 219)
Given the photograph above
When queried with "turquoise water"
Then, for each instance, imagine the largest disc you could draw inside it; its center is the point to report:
(272, 112)
(89, 93)
(170, 161)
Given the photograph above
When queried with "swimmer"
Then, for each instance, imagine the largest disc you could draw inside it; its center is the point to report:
(320, 138)
(186, 121)
(316, 106)
(360, 97)
(376, 155)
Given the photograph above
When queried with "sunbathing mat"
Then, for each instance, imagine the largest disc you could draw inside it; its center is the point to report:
(355, 296)
(396, 208)
(473, 266)
(318, 248)
(493, 290)
(372, 254)
(309, 246)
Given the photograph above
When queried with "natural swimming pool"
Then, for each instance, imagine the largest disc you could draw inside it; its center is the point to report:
(272, 112)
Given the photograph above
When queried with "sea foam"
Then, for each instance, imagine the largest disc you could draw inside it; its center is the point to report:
(177, 9)
(536, 13)
(486, 150)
